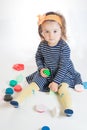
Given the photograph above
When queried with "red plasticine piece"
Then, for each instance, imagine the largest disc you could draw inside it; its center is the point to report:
(18, 88)
(18, 67)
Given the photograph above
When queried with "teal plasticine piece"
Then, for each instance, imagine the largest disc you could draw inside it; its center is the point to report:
(12, 83)
(47, 72)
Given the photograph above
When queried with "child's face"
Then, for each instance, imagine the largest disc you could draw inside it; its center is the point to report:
(51, 32)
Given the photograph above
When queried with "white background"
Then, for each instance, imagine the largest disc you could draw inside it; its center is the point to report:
(18, 28)
(19, 40)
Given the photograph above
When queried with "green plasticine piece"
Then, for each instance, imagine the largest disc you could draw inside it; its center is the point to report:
(52, 93)
(12, 83)
(47, 72)
(19, 78)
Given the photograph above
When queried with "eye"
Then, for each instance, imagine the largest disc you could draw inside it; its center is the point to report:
(55, 31)
(46, 31)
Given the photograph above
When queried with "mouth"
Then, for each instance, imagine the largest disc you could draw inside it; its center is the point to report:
(51, 39)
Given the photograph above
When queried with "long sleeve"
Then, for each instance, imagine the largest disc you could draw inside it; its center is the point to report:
(63, 65)
(39, 59)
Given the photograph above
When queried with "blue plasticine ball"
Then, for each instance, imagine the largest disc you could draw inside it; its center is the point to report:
(85, 85)
(45, 128)
(9, 91)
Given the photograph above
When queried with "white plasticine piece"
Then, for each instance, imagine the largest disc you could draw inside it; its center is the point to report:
(55, 112)
(79, 88)
(40, 108)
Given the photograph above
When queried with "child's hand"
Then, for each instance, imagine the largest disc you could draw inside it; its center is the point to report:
(42, 73)
(53, 86)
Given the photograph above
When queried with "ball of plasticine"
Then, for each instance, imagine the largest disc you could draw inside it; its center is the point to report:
(79, 88)
(55, 112)
(12, 83)
(19, 78)
(45, 128)
(40, 108)
(17, 88)
(9, 91)
(18, 67)
(47, 72)
(8, 97)
(85, 85)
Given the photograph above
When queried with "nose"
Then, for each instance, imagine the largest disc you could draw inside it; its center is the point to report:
(50, 35)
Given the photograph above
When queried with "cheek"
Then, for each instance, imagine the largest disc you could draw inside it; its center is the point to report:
(60, 33)
(45, 36)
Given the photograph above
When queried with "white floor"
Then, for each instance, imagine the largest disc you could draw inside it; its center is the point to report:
(26, 117)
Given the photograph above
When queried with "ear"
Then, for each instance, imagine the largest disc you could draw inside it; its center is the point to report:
(42, 34)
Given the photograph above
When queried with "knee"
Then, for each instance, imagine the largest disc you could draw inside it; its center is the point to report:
(63, 87)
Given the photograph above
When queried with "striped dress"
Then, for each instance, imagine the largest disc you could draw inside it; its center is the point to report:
(57, 60)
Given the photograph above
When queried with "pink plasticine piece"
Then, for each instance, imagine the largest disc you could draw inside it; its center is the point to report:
(79, 88)
(40, 108)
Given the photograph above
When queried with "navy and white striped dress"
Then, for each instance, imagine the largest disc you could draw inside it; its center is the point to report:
(57, 60)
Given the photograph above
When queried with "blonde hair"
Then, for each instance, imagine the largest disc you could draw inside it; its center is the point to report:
(62, 25)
